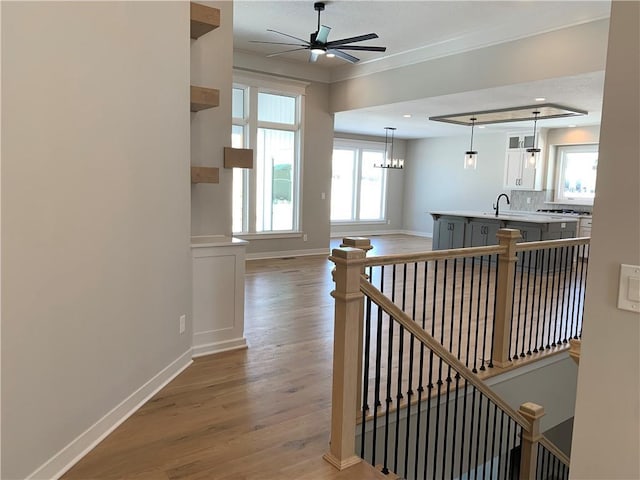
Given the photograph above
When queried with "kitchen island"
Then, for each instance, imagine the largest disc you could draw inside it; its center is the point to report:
(461, 228)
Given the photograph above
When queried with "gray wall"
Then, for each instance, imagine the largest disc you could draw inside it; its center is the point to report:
(436, 180)
(606, 442)
(211, 66)
(95, 213)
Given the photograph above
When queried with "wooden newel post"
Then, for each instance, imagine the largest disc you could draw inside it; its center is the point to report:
(346, 360)
(507, 237)
(529, 444)
(363, 244)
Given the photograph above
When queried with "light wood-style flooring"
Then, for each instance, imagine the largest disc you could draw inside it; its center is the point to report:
(261, 413)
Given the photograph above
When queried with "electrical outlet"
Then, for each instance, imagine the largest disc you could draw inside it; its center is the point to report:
(183, 323)
(528, 199)
(304, 237)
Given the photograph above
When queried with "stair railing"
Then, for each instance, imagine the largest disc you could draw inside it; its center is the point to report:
(353, 276)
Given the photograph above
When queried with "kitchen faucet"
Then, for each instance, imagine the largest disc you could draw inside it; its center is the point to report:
(496, 207)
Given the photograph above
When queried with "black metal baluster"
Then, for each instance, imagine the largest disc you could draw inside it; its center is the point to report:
(430, 384)
(546, 297)
(539, 314)
(410, 379)
(516, 354)
(525, 265)
(472, 422)
(486, 439)
(493, 438)
(533, 299)
(439, 382)
(495, 299)
(399, 395)
(421, 376)
(500, 451)
(377, 404)
(365, 373)
(576, 290)
(389, 400)
(473, 266)
(558, 319)
(475, 354)
(565, 291)
(507, 466)
(477, 460)
(486, 313)
(554, 295)
(464, 424)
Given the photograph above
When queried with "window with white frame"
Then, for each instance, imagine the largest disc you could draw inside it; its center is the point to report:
(358, 189)
(266, 198)
(577, 167)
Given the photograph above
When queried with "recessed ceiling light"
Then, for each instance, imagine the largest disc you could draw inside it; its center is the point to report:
(407, 115)
(572, 126)
(482, 126)
(540, 99)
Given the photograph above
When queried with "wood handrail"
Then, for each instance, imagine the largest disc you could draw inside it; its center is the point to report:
(547, 244)
(394, 311)
(559, 454)
(433, 255)
(471, 252)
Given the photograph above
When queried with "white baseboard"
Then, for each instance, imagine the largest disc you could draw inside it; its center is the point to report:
(365, 233)
(66, 458)
(416, 233)
(218, 347)
(287, 253)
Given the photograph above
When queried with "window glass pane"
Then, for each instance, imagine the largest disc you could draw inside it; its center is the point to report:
(237, 103)
(577, 177)
(275, 175)
(342, 184)
(237, 204)
(371, 186)
(237, 136)
(276, 108)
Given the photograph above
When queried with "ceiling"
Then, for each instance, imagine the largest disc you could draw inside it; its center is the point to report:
(421, 30)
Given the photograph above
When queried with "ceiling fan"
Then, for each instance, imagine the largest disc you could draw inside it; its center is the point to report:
(318, 44)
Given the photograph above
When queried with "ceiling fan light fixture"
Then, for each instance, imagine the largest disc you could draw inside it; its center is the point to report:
(330, 55)
(318, 50)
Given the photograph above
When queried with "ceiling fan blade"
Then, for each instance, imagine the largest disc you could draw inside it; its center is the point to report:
(313, 57)
(362, 48)
(287, 35)
(344, 56)
(323, 34)
(286, 51)
(279, 43)
(359, 38)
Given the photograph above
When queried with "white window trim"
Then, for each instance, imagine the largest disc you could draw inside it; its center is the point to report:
(364, 144)
(558, 175)
(253, 84)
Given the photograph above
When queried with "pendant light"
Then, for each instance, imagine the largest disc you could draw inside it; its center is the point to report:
(532, 158)
(389, 160)
(471, 156)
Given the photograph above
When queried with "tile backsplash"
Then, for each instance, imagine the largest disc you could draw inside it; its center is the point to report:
(530, 201)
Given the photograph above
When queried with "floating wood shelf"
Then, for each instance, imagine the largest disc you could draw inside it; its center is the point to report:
(238, 157)
(203, 19)
(205, 175)
(203, 98)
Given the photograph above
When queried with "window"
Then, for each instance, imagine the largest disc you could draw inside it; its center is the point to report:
(576, 174)
(358, 189)
(266, 198)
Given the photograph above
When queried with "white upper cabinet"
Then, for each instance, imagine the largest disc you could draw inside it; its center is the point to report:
(517, 175)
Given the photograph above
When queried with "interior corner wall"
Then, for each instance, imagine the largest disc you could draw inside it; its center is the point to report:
(436, 180)
(95, 214)
(606, 443)
(212, 67)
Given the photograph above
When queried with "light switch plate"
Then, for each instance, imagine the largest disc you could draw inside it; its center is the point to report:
(629, 288)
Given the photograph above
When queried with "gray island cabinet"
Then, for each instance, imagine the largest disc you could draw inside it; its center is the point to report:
(457, 229)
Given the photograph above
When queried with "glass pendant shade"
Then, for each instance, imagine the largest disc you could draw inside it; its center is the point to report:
(471, 156)
(470, 160)
(532, 153)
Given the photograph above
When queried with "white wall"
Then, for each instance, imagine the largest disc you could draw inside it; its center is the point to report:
(606, 442)
(434, 177)
(95, 214)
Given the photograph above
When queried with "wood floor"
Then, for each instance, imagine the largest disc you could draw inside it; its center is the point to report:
(261, 413)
